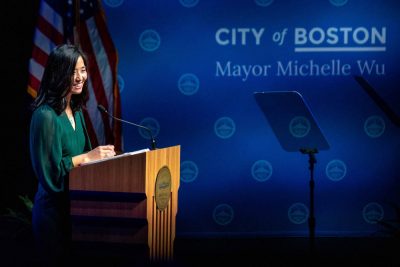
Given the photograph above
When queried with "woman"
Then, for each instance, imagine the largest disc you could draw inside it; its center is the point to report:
(59, 142)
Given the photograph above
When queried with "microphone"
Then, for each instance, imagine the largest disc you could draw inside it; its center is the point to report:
(153, 141)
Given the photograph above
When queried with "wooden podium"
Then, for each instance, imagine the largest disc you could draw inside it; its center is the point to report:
(129, 199)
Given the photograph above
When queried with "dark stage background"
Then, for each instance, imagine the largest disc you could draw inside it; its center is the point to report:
(188, 70)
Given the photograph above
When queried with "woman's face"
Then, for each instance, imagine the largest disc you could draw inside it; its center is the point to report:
(79, 78)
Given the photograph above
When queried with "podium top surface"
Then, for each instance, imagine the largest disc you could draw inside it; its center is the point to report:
(291, 120)
(118, 156)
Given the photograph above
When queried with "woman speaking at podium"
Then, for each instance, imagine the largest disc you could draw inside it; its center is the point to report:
(58, 142)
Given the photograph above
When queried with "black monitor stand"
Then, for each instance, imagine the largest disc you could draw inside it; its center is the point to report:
(296, 130)
(311, 218)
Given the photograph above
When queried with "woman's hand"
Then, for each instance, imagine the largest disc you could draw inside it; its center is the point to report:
(100, 152)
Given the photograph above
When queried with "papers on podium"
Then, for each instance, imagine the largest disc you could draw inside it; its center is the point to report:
(117, 156)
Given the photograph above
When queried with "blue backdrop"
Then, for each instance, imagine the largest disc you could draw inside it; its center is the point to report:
(188, 69)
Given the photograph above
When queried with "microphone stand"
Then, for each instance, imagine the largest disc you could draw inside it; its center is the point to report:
(311, 219)
(153, 141)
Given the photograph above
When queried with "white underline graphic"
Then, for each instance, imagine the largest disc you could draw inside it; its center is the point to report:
(340, 49)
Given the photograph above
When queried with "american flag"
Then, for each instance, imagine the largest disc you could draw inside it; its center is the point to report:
(82, 22)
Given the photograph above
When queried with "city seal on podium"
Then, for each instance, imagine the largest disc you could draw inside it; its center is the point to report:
(163, 188)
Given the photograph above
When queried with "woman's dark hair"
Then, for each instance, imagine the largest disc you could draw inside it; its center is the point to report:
(58, 78)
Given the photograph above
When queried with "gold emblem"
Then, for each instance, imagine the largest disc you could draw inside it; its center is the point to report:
(163, 188)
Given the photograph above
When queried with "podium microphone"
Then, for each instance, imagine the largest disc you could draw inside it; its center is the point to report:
(153, 141)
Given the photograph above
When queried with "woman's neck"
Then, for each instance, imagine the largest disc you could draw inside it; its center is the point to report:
(68, 107)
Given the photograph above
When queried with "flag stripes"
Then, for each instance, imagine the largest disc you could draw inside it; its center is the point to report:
(59, 23)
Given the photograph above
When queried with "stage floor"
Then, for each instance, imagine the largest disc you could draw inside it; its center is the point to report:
(266, 251)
